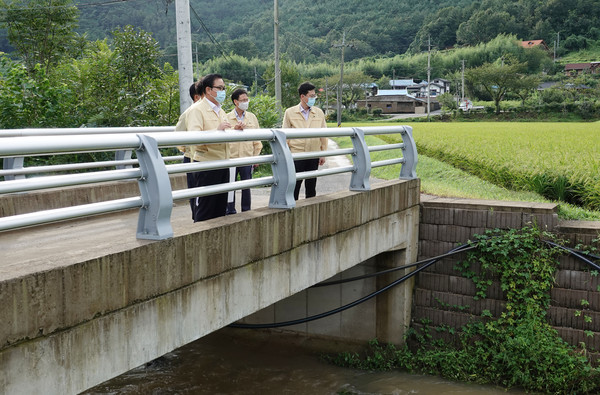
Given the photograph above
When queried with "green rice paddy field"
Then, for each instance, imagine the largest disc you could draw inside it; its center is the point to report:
(533, 161)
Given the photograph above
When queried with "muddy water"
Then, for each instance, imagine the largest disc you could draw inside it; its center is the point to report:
(255, 362)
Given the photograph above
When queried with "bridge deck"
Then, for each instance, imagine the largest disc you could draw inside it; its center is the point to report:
(41, 248)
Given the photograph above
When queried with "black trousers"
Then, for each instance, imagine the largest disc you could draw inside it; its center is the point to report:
(245, 173)
(190, 183)
(310, 184)
(213, 206)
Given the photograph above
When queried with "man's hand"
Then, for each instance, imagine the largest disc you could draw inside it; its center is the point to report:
(224, 125)
(321, 161)
(240, 126)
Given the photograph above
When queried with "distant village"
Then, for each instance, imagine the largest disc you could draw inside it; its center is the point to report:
(410, 95)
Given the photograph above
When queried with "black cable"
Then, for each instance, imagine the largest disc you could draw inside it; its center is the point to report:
(426, 263)
(575, 253)
(365, 276)
(212, 38)
(430, 262)
(596, 257)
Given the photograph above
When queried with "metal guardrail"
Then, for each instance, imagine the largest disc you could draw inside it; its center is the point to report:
(156, 200)
(13, 168)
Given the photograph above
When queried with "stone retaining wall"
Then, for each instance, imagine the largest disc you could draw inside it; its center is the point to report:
(443, 296)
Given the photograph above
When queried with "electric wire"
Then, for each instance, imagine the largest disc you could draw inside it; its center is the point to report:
(577, 254)
(426, 263)
(365, 276)
(212, 38)
(429, 262)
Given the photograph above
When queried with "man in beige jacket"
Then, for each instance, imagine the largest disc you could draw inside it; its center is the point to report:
(207, 115)
(196, 95)
(246, 120)
(306, 115)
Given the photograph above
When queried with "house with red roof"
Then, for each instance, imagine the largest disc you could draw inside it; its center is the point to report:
(534, 44)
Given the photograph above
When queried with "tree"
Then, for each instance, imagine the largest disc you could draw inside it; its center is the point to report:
(29, 102)
(290, 80)
(42, 31)
(355, 84)
(526, 85)
(137, 56)
(484, 25)
(447, 101)
(496, 79)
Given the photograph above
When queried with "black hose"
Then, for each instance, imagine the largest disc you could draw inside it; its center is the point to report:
(575, 253)
(426, 263)
(429, 262)
(395, 269)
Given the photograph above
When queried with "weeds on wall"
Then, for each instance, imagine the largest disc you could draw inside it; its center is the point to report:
(518, 348)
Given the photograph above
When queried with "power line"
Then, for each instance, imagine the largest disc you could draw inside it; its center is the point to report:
(212, 38)
(96, 4)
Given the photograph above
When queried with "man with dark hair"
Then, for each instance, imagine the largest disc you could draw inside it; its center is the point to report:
(246, 120)
(193, 94)
(181, 126)
(306, 115)
(207, 115)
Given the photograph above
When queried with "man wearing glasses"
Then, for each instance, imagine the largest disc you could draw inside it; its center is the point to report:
(306, 115)
(207, 115)
(240, 116)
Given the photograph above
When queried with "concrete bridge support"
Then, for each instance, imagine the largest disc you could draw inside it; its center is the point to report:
(385, 317)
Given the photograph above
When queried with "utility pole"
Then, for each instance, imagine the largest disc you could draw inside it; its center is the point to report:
(326, 95)
(462, 84)
(184, 52)
(276, 50)
(556, 45)
(394, 78)
(343, 45)
(428, 76)
(197, 63)
(255, 81)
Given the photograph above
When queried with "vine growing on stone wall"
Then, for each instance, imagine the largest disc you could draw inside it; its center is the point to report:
(516, 349)
(524, 265)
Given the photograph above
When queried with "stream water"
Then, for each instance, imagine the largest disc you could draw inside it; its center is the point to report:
(234, 361)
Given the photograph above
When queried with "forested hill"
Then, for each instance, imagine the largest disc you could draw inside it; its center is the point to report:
(309, 29)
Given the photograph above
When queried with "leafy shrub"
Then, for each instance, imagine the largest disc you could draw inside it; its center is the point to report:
(516, 349)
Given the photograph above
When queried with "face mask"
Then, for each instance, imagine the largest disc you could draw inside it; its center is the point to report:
(243, 105)
(220, 96)
(311, 101)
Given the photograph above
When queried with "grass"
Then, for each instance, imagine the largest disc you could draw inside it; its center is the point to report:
(441, 179)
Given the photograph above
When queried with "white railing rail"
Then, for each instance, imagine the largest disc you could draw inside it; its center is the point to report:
(157, 198)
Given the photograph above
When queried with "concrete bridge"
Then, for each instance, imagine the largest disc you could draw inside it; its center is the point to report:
(85, 300)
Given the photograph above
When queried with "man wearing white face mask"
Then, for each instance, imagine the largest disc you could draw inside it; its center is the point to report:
(243, 119)
(306, 115)
(207, 115)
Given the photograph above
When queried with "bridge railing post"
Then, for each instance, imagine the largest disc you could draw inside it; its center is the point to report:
(154, 221)
(409, 152)
(13, 164)
(284, 173)
(361, 160)
(123, 155)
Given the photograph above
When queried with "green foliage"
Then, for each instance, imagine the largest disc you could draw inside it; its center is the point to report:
(290, 80)
(517, 349)
(265, 109)
(448, 102)
(136, 58)
(524, 265)
(496, 80)
(26, 101)
(42, 31)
